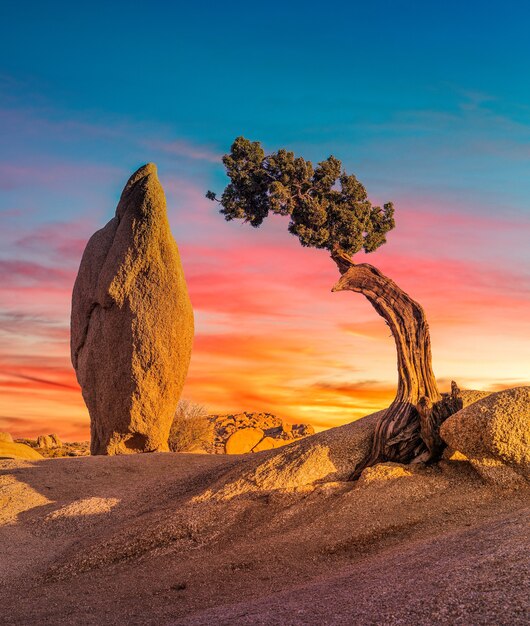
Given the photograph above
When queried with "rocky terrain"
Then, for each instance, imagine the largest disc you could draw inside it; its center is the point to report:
(275, 537)
(238, 433)
(49, 446)
(253, 432)
(65, 448)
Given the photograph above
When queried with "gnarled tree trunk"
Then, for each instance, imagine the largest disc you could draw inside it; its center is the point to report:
(408, 430)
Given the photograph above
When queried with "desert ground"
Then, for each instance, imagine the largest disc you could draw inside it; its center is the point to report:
(277, 537)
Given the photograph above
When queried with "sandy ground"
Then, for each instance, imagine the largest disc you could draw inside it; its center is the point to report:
(143, 539)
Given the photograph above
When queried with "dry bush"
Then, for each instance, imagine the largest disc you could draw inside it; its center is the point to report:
(191, 428)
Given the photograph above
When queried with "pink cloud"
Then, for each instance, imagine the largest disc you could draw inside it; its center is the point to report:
(19, 273)
(60, 241)
(442, 232)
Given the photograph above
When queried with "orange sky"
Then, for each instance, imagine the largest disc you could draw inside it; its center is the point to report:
(270, 335)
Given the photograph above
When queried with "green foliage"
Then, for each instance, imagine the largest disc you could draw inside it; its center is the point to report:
(191, 428)
(327, 207)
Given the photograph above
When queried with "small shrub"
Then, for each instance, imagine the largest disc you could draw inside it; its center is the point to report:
(191, 428)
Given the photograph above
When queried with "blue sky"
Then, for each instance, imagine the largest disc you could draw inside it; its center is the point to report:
(432, 95)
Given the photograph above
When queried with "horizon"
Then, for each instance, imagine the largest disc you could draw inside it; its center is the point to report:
(436, 120)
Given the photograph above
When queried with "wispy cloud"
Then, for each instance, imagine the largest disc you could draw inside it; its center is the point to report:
(58, 241)
(18, 273)
(53, 175)
(185, 149)
(38, 380)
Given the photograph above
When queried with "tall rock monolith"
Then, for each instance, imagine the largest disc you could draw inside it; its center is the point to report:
(132, 323)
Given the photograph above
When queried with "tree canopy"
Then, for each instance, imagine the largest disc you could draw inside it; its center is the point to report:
(327, 207)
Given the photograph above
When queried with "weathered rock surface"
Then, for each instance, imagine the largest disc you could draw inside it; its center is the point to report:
(438, 546)
(469, 396)
(242, 441)
(132, 323)
(10, 450)
(382, 472)
(331, 455)
(6, 437)
(494, 435)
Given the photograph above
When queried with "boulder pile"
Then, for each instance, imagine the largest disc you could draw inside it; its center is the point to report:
(67, 448)
(254, 432)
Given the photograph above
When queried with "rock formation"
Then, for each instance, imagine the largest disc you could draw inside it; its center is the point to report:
(67, 448)
(267, 443)
(50, 442)
(275, 431)
(494, 435)
(12, 450)
(326, 457)
(44, 441)
(243, 440)
(6, 437)
(57, 443)
(132, 323)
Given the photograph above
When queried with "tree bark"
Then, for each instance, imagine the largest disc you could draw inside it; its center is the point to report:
(408, 430)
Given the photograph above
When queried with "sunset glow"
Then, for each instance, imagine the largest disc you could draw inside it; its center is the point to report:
(270, 334)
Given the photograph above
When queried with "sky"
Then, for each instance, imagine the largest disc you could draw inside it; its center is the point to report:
(428, 103)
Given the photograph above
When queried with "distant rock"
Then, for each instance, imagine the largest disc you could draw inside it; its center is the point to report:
(44, 441)
(302, 430)
(77, 452)
(49, 442)
(267, 443)
(56, 441)
(10, 450)
(273, 427)
(287, 430)
(132, 323)
(68, 448)
(494, 435)
(6, 437)
(243, 440)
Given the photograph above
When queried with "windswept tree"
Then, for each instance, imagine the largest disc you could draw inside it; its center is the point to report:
(330, 209)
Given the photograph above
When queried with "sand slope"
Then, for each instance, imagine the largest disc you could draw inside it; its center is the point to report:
(198, 539)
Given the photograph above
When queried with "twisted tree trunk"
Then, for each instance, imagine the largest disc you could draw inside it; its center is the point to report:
(408, 430)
